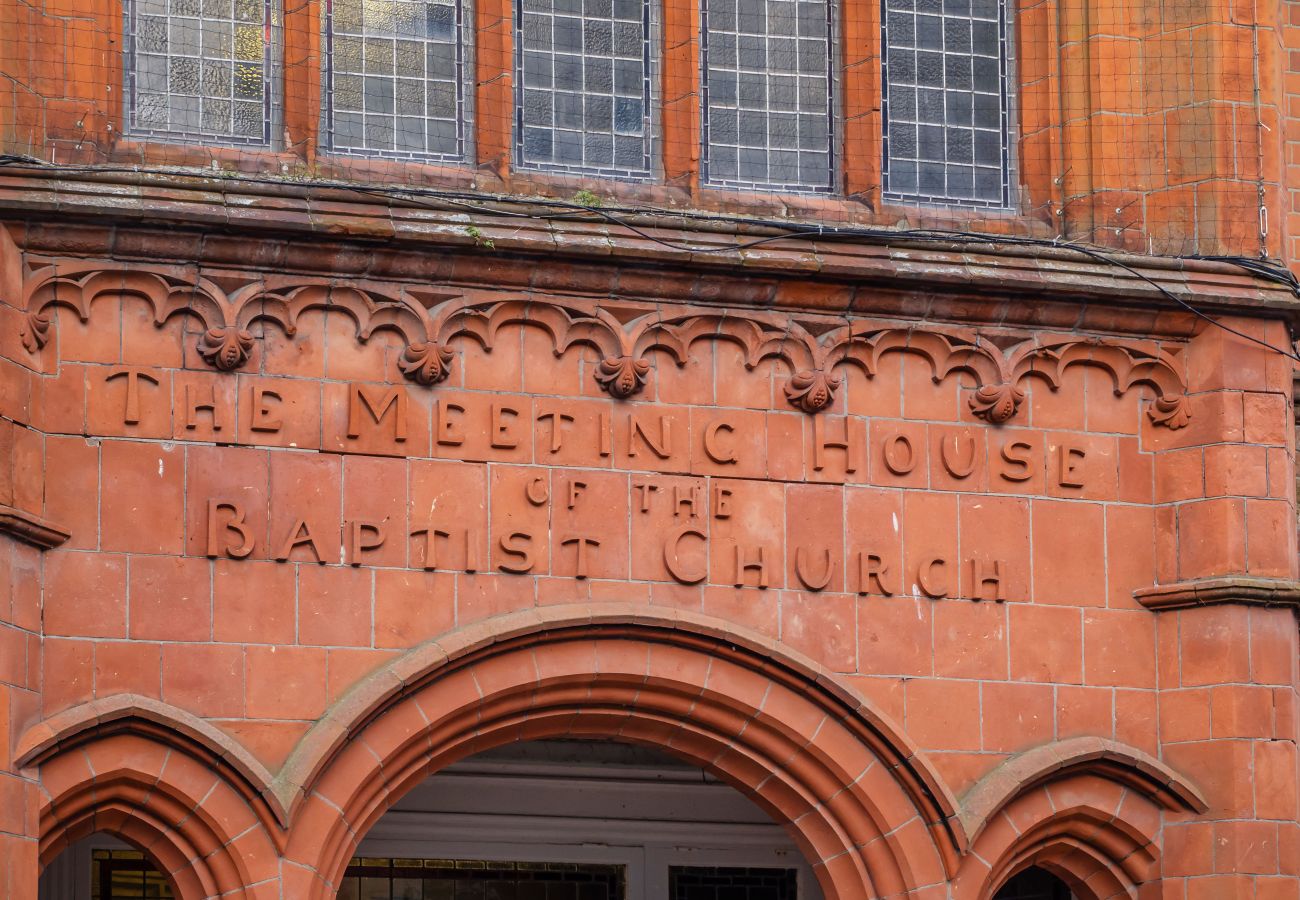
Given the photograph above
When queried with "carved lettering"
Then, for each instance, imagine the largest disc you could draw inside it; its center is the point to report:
(673, 556)
(447, 425)
(721, 502)
(557, 420)
(133, 375)
(583, 544)
(712, 449)
(1071, 460)
(538, 490)
(900, 458)
(817, 581)
(744, 564)
(645, 490)
(263, 414)
(851, 444)
(234, 523)
(871, 575)
(575, 491)
(431, 536)
(685, 497)
(298, 536)
(195, 404)
(503, 437)
(981, 576)
(1016, 453)
(360, 537)
(931, 578)
(606, 429)
(395, 399)
(662, 446)
(517, 544)
(951, 453)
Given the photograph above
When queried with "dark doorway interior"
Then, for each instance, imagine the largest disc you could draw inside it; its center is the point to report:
(1035, 884)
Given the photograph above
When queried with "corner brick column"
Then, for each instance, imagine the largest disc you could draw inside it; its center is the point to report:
(1226, 620)
(23, 533)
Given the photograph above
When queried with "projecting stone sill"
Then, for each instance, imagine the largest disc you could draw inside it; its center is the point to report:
(30, 528)
(1210, 591)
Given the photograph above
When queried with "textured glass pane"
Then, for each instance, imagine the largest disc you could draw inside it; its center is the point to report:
(583, 86)
(402, 62)
(767, 87)
(187, 60)
(946, 102)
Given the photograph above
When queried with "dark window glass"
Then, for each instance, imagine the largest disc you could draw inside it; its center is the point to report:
(946, 120)
(369, 878)
(767, 94)
(199, 70)
(125, 875)
(395, 78)
(731, 883)
(583, 87)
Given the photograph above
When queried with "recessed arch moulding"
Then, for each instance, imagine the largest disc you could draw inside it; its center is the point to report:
(867, 808)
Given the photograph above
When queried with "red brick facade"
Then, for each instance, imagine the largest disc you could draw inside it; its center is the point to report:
(955, 559)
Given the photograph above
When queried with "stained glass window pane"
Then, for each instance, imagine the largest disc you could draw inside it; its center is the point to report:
(200, 70)
(946, 121)
(583, 86)
(395, 78)
(767, 104)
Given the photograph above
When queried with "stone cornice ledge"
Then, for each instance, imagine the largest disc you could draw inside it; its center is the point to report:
(259, 218)
(1229, 589)
(30, 528)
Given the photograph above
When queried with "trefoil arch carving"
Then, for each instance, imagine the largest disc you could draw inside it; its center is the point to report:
(624, 336)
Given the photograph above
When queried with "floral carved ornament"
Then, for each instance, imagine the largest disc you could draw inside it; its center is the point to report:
(624, 336)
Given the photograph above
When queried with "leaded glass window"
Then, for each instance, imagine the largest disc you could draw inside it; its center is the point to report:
(768, 113)
(583, 86)
(946, 119)
(395, 78)
(200, 70)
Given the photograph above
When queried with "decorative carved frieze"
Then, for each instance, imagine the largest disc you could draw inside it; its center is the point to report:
(812, 346)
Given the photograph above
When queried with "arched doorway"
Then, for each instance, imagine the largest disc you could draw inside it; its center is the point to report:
(103, 867)
(1035, 884)
(576, 819)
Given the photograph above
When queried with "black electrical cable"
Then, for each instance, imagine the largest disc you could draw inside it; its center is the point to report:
(574, 211)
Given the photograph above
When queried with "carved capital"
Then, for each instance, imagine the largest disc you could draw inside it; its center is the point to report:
(622, 376)
(996, 403)
(811, 390)
(37, 333)
(225, 348)
(426, 362)
(1170, 411)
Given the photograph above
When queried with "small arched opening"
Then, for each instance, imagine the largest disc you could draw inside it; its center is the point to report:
(1035, 884)
(102, 866)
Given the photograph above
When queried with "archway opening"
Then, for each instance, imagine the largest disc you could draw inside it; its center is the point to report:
(576, 820)
(101, 866)
(1035, 884)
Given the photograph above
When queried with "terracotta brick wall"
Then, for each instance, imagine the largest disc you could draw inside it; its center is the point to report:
(248, 546)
